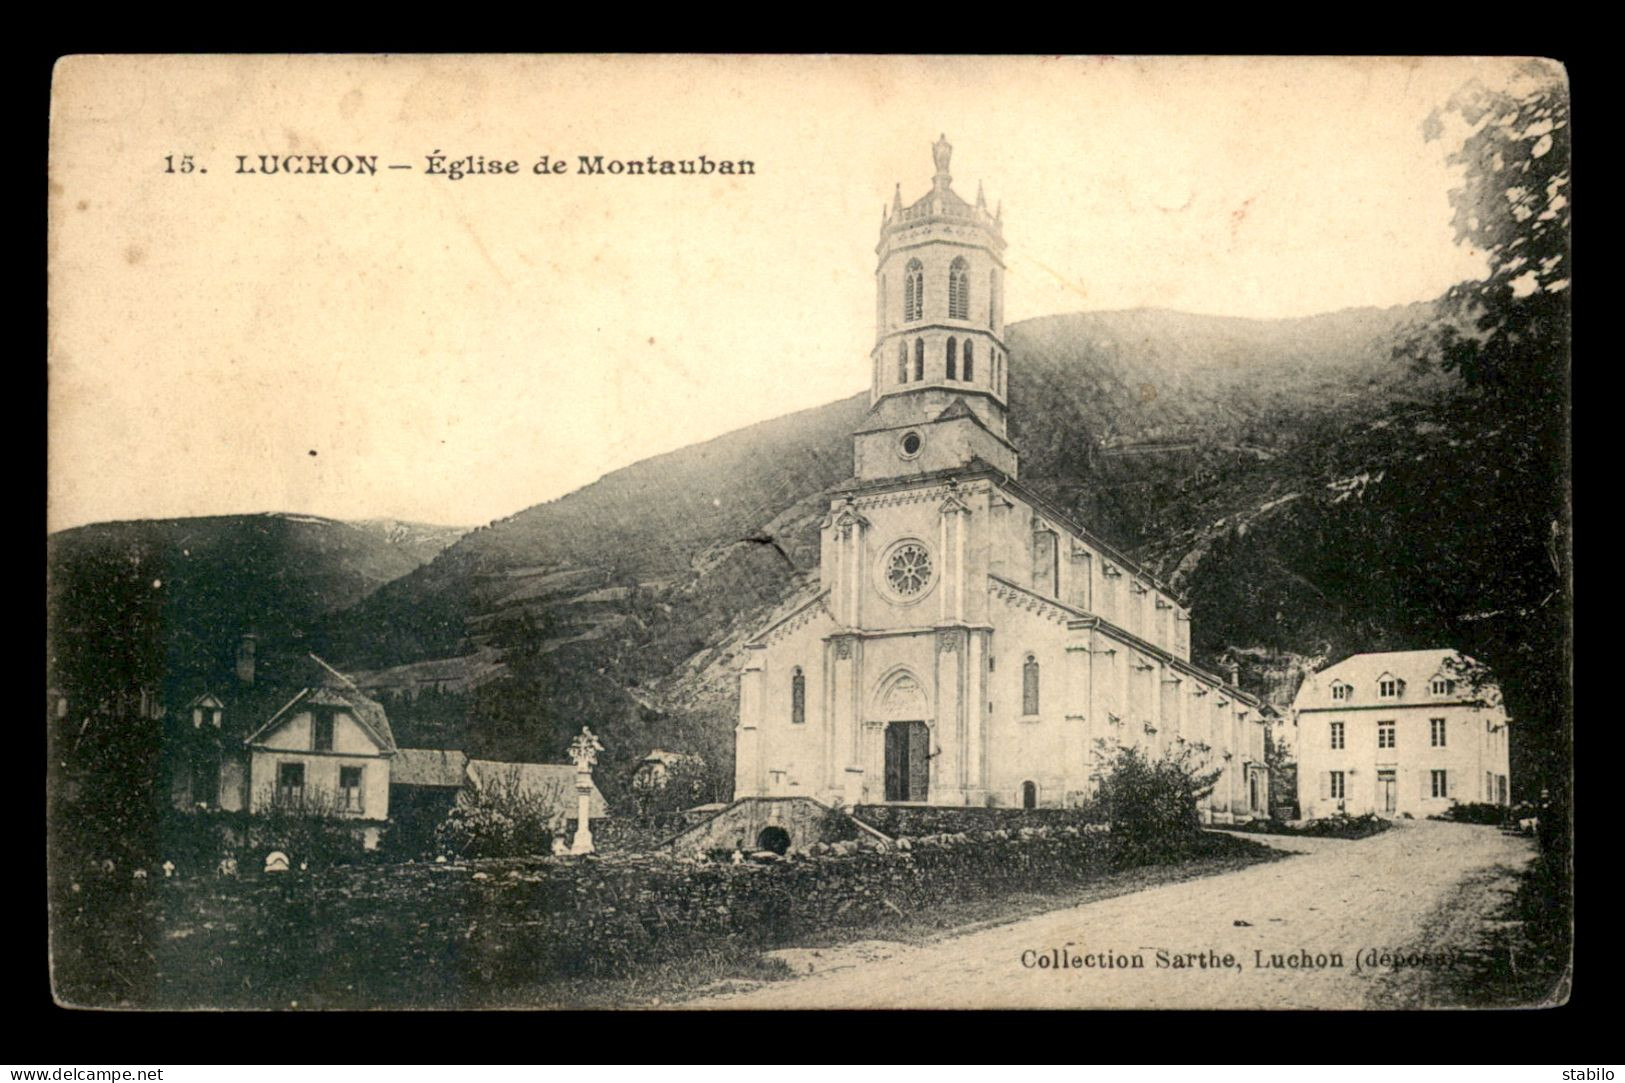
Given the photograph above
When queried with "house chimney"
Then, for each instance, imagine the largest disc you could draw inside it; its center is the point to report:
(245, 658)
(1234, 669)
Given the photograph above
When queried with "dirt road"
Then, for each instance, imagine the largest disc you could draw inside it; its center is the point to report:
(1288, 934)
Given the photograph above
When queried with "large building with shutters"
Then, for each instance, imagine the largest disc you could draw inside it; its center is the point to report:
(967, 643)
(1400, 733)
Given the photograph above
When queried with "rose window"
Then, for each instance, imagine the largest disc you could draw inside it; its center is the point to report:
(909, 569)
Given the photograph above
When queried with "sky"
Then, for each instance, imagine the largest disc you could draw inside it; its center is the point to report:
(409, 346)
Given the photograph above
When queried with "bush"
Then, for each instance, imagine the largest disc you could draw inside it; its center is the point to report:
(1154, 805)
(1341, 826)
(503, 818)
(1344, 826)
(1476, 812)
(683, 781)
(310, 831)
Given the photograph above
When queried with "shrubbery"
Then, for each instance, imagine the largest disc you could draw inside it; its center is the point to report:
(503, 818)
(311, 832)
(1475, 812)
(1154, 805)
(1340, 826)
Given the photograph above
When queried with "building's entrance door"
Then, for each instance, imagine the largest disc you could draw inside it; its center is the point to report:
(908, 761)
(1387, 792)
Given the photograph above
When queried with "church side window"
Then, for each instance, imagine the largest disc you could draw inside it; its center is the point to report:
(1029, 687)
(959, 289)
(953, 366)
(798, 697)
(902, 362)
(919, 359)
(1046, 571)
(914, 290)
(970, 361)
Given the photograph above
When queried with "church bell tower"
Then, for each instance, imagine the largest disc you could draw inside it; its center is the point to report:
(937, 400)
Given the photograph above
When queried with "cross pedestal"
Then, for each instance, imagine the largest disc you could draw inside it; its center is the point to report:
(582, 844)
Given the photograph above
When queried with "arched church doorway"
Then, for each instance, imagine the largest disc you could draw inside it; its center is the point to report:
(1029, 794)
(908, 761)
(776, 839)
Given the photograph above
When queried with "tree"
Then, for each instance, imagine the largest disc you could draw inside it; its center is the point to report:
(1507, 338)
(1154, 804)
(1513, 206)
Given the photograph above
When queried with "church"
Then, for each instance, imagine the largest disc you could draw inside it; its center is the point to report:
(967, 643)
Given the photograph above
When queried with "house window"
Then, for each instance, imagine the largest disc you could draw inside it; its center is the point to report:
(1501, 789)
(919, 359)
(959, 289)
(970, 361)
(1337, 735)
(1385, 735)
(1489, 786)
(321, 724)
(1029, 687)
(1388, 688)
(205, 781)
(290, 783)
(1443, 686)
(902, 361)
(1440, 784)
(913, 290)
(953, 349)
(798, 697)
(350, 789)
(1335, 785)
(1340, 691)
(1436, 732)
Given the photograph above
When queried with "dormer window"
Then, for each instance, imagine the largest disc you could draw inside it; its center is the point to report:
(1388, 687)
(1341, 690)
(205, 716)
(1442, 686)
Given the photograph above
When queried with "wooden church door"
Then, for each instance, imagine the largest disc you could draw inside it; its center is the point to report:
(908, 761)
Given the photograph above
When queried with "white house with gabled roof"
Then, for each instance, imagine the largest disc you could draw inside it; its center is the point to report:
(1400, 732)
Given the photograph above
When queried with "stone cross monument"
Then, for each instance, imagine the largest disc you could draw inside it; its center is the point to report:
(584, 751)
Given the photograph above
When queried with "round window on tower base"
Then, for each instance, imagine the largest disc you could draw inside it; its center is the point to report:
(911, 444)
